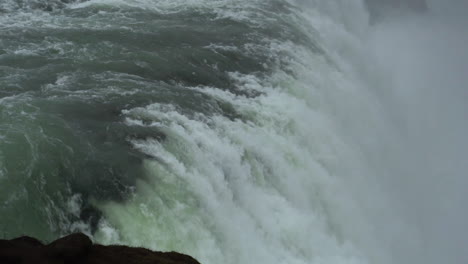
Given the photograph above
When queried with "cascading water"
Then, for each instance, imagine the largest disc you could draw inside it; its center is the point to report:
(236, 131)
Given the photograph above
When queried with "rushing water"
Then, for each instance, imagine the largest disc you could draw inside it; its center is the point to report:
(261, 131)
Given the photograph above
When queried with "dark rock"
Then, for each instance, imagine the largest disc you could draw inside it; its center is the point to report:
(12, 251)
(26, 242)
(20, 242)
(74, 246)
(123, 254)
(78, 248)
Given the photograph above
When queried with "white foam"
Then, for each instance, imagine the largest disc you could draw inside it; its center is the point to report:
(276, 185)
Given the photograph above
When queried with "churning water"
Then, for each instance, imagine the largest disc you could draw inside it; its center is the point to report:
(260, 131)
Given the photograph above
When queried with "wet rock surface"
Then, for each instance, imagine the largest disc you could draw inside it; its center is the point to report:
(78, 248)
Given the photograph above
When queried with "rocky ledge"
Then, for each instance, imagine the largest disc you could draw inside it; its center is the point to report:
(79, 249)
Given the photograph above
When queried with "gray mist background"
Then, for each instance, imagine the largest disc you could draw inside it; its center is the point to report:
(426, 58)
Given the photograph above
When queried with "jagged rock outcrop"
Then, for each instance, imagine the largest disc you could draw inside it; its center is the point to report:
(78, 249)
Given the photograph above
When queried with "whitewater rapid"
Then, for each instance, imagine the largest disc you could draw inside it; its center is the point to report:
(279, 182)
(234, 131)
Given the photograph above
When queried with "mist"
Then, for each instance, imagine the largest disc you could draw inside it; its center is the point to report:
(424, 58)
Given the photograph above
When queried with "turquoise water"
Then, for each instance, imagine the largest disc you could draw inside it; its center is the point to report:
(75, 75)
(235, 131)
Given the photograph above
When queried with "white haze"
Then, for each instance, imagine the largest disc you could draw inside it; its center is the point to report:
(424, 60)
